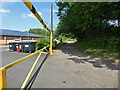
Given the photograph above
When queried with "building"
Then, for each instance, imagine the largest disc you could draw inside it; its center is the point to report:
(7, 36)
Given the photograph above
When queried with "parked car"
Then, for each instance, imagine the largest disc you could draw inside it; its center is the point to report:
(17, 40)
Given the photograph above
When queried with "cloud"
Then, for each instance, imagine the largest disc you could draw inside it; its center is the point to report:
(4, 11)
(24, 15)
(30, 15)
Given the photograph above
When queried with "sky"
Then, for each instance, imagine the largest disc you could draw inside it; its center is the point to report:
(16, 16)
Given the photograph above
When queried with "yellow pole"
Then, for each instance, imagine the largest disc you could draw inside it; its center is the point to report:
(20, 60)
(31, 71)
(3, 83)
(50, 49)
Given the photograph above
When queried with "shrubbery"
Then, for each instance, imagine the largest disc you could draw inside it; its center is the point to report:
(42, 42)
(111, 43)
(103, 45)
(63, 38)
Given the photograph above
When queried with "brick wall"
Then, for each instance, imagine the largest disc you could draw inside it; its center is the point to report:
(5, 40)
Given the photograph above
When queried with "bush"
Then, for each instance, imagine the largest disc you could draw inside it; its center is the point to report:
(110, 43)
(62, 38)
(42, 42)
(114, 44)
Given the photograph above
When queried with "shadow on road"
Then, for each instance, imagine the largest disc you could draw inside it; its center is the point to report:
(79, 57)
(31, 81)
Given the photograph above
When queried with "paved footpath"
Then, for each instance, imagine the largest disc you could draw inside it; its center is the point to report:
(69, 68)
(66, 68)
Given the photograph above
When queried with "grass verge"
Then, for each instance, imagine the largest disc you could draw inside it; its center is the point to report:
(101, 53)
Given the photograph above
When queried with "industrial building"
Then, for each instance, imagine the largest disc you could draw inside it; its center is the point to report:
(7, 36)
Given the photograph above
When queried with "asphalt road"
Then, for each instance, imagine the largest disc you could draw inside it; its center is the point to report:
(4, 48)
(17, 74)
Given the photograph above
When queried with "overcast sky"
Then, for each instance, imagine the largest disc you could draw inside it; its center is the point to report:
(16, 16)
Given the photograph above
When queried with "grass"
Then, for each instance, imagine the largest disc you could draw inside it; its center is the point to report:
(66, 40)
(101, 53)
(60, 45)
(74, 40)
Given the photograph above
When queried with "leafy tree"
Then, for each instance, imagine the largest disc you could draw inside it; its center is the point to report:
(89, 20)
(39, 32)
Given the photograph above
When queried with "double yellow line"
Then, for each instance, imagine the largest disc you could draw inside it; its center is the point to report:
(33, 10)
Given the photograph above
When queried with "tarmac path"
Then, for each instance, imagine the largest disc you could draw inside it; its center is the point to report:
(69, 68)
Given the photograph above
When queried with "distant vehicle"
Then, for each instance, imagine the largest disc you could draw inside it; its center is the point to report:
(17, 40)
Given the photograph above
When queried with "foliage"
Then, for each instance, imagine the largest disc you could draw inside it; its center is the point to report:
(42, 42)
(74, 40)
(63, 38)
(81, 18)
(88, 22)
(100, 46)
(39, 31)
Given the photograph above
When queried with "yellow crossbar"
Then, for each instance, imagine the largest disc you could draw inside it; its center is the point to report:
(31, 71)
(33, 10)
(20, 60)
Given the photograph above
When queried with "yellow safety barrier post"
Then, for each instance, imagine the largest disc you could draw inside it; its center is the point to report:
(3, 83)
(50, 49)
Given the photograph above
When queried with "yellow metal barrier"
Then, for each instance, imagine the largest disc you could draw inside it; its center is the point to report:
(3, 78)
(50, 43)
(33, 10)
(3, 83)
(18, 61)
(31, 71)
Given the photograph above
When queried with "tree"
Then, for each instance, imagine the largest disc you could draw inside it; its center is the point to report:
(85, 18)
(39, 31)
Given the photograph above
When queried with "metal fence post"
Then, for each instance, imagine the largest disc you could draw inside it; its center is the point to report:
(50, 49)
(3, 83)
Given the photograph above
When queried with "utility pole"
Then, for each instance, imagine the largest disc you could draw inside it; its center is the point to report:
(51, 17)
(51, 29)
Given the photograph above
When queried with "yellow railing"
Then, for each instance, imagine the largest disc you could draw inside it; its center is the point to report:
(34, 11)
(31, 71)
(3, 83)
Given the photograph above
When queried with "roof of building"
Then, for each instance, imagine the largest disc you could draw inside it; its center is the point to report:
(17, 33)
